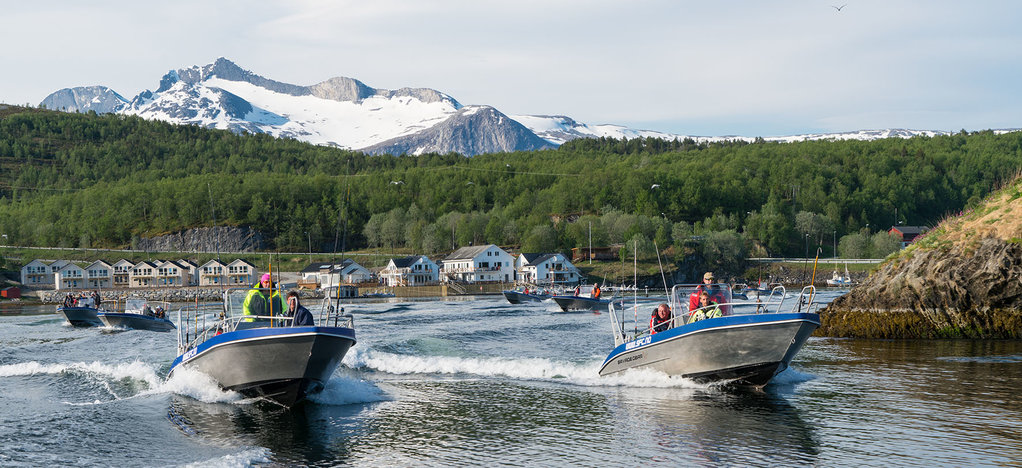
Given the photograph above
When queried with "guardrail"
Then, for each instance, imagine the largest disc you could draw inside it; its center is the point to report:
(822, 260)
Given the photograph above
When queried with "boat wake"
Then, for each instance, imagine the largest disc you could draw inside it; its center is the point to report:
(536, 369)
(251, 457)
(128, 380)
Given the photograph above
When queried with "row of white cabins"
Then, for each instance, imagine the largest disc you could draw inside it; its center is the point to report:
(478, 264)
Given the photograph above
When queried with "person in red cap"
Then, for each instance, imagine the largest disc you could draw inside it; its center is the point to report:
(263, 300)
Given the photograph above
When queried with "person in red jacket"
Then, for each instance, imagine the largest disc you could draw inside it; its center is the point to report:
(661, 319)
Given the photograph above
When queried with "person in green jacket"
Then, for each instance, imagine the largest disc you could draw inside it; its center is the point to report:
(263, 299)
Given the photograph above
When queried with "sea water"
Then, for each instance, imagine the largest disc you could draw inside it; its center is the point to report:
(479, 381)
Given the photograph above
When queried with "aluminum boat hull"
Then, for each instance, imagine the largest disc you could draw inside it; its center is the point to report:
(136, 322)
(81, 316)
(283, 364)
(570, 303)
(516, 297)
(742, 349)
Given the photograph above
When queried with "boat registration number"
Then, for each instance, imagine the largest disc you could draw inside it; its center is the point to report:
(637, 343)
(190, 354)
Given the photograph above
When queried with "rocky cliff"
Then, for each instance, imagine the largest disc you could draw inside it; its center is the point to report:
(963, 280)
(206, 239)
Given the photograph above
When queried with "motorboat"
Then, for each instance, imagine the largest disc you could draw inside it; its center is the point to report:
(262, 356)
(739, 343)
(581, 303)
(522, 295)
(139, 314)
(84, 313)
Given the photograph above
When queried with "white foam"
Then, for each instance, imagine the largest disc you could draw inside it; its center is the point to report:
(244, 458)
(131, 370)
(542, 369)
(346, 391)
(195, 384)
(791, 376)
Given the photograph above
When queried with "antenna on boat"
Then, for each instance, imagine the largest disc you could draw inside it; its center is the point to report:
(664, 278)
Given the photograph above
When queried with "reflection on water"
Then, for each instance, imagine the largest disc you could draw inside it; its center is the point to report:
(307, 434)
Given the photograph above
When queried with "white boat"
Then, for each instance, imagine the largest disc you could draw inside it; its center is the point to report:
(838, 280)
(262, 356)
(746, 344)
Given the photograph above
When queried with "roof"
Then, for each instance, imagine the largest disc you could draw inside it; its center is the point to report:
(529, 257)
(406, 261)
(910, 229)
(468, 253)
(331, 266)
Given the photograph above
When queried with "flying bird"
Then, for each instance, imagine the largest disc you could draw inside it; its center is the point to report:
(654, 186)
(396, 182)
(838, 8)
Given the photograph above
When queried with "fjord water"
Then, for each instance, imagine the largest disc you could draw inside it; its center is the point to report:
(479, 381)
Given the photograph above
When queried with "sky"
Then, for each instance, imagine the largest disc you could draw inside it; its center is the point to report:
(701, 68)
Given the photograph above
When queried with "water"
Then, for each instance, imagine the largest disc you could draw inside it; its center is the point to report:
(483, 382)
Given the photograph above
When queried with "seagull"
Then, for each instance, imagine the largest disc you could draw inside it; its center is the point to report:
(655, 186)
(838, 8)
(397, 182)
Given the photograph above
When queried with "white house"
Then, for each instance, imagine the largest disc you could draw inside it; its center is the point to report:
(479, 264)
(328, 274)
(36, 273)
(99, 274)
(415, 270)
(546, 269)
(240, 272)
(122, 273)
(70, 276)
(212, 273)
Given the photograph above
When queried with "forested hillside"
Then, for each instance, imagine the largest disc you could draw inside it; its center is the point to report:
(101, 181)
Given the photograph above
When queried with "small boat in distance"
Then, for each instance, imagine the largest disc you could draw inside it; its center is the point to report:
(839, 281)
(525, 294)
(262, 356)
(739, 343)
(585, 298)
(139, 314)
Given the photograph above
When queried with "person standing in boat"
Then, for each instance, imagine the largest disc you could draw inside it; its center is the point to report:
(302, 316)
(596, 291)
(661, 319)
(262, 300)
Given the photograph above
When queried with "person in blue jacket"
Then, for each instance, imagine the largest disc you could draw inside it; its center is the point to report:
(302, 316)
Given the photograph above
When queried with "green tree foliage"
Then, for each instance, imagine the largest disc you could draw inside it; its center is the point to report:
(99, 181)
(724, 250)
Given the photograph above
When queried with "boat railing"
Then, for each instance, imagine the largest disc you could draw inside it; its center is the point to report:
(202, 321)
(640, 311)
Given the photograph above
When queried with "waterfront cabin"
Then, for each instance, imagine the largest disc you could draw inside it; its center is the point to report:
(329, 274)
(190, 272)
(240, 272)
(415, 270)
(37, 273)
(99, 275)
(475, 264)
(70, 276)
(552, 269)
(122, 273)
(170, 274)
(212, 273)
(143, 275)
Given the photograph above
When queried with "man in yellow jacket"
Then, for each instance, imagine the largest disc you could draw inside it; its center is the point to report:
(263, 300)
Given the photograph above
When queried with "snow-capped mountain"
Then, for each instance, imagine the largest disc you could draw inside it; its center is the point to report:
(347, 113)
(341, 112)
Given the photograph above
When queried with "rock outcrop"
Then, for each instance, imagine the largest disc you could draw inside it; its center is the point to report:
(206, 239)
(963, 280)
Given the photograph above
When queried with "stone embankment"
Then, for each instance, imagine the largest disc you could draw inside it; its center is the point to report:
(967, 290)
(158, 294)
(206, 239)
